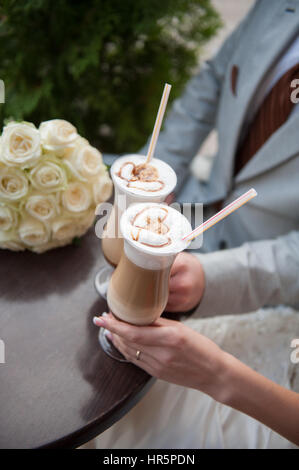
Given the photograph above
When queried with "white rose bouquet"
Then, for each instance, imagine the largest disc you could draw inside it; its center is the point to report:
(51, 181)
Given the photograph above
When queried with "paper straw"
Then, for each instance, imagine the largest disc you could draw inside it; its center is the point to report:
(233, 206)
(159, 119)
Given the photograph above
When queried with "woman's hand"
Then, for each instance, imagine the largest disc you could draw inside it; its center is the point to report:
(186, 284)
(171, 351)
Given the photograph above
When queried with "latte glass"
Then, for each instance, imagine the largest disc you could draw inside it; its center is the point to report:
(139, 286)
(112, 240)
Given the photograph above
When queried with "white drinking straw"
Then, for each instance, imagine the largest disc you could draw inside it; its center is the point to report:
(158, 122)
(233, 206)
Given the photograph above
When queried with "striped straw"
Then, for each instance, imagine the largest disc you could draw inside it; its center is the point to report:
(158, 122)
(233, 206)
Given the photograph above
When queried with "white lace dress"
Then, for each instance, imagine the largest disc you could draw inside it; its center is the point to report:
(171, 416)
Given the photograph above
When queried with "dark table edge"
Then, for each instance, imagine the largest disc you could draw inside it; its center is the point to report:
(98, 426)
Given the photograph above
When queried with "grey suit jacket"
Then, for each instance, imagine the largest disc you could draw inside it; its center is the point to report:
(261, 266)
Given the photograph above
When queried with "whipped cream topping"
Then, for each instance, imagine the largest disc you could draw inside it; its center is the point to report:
(134, 175)
(143, 176)
(148, 238)
(156, 227)
(149, 227)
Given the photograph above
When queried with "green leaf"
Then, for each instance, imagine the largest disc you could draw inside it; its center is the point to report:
(101, 64)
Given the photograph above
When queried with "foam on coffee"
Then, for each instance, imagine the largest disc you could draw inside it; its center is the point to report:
(155, 228)
(133, 175)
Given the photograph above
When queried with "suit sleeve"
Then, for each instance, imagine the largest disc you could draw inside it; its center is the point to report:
(194, 114)
(255, 275)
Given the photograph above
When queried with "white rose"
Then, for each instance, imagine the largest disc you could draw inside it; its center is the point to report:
(10, 241)
(87, 219)
(20, 145)
(13, 184)
(32, 232)
(84, 161)
(78, 143)
(102, 188)
(64, 228)
(57, 134)
(48, 176)
(89, 161)
(8, 217)
(77, 197)
(42, 206)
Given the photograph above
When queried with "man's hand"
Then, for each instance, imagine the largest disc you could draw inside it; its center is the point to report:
(186, 284)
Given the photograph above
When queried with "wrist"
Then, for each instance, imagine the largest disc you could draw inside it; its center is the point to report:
(225, 374)
(235, 383)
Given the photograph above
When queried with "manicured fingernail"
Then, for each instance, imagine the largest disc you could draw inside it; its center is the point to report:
(98, 321)
(104, 314)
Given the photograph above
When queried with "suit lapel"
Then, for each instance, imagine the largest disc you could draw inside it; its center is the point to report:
(270, 31)
(281, 146)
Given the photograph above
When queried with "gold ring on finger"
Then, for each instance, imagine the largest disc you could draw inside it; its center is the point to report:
(138, 353)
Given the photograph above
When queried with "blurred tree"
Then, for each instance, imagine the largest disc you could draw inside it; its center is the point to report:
(100, 64)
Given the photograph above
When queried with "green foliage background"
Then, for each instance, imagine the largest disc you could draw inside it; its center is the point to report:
(100, 64)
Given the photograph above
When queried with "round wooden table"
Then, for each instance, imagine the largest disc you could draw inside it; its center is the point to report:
(57, 387)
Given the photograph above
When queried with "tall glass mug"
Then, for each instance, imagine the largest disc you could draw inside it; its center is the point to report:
(133, 182)
(139, 286)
